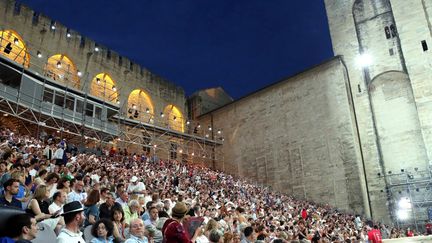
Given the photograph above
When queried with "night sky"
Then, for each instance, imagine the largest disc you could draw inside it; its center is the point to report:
(241, 45)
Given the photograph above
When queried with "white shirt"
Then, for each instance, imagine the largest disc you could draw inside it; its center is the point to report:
(58, 154)
(67, 236)
(134, 239)
(139, 187)
(54, 208)
(33, 173)
(73, 196)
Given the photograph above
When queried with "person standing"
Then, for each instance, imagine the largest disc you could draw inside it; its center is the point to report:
(374, 234)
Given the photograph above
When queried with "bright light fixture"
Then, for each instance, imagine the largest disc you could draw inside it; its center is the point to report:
(402, 214)
(364, 60)
(404, 203)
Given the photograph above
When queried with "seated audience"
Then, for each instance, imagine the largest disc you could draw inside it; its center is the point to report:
(74, 219)
(91, 210)
(11, 188)
(105, 209)
(137, 232)
(102, 231)
(20, 228)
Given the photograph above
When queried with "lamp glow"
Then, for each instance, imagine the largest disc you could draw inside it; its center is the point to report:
(404, 203)
(364, 60)
(402, 214)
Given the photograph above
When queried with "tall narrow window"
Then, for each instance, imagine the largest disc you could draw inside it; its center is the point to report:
(108, 54)
(120, 61)
(387, 32)
(98, 113)
(35, 19)
(82, 42)
(424, 45)
(17, 8)
(89, 110)
(393, 30)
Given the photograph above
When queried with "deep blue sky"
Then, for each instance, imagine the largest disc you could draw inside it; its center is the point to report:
(241, 45)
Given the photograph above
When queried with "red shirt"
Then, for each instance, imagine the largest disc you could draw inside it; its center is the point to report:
(375, 236)
(173, 231)
(429, 228)
(304, 214)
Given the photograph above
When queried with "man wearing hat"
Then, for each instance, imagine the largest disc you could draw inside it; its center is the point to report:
(173, 230)
(74, 218)
(136, 187)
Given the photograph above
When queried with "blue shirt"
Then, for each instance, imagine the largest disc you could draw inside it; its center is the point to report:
(14, 203)
(134, 239)
(99, 240)
(92, 210)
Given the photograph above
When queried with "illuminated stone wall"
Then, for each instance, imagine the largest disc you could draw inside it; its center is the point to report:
(39, 37)
(297, 136)
(393, 94)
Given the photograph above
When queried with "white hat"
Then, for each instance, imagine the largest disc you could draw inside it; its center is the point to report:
(133, 179)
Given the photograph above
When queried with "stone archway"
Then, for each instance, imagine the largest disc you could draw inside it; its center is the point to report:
(61, 68)
(397, 122)
(174, 117)
(103, 86)
(140, 106)
(13, 47)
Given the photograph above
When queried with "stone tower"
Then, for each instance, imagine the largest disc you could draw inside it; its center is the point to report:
(386, 48)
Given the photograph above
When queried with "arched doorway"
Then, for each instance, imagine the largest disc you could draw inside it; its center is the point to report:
(140, 106)
(61, 68)
(14, 48)
(103, 86)
(174, 117)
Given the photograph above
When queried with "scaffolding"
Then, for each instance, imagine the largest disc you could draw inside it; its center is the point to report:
(410, 197)
(72, 113)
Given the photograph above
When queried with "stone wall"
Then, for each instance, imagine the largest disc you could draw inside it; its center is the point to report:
(298, 136)
(39, 37)
(392, 93)
(206, 100)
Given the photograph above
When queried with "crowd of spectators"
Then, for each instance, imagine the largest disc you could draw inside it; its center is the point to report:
(122, 197)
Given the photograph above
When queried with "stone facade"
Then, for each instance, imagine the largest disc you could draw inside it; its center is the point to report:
(392, 93)
(302, 137)
(37, 34)
(207, 100)
(298, 136)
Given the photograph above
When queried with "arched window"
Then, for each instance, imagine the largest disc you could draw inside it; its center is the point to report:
(174, 117)
(387, 32)
(14, 48)
(60, 68)
(103, 86)
(140, 106)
